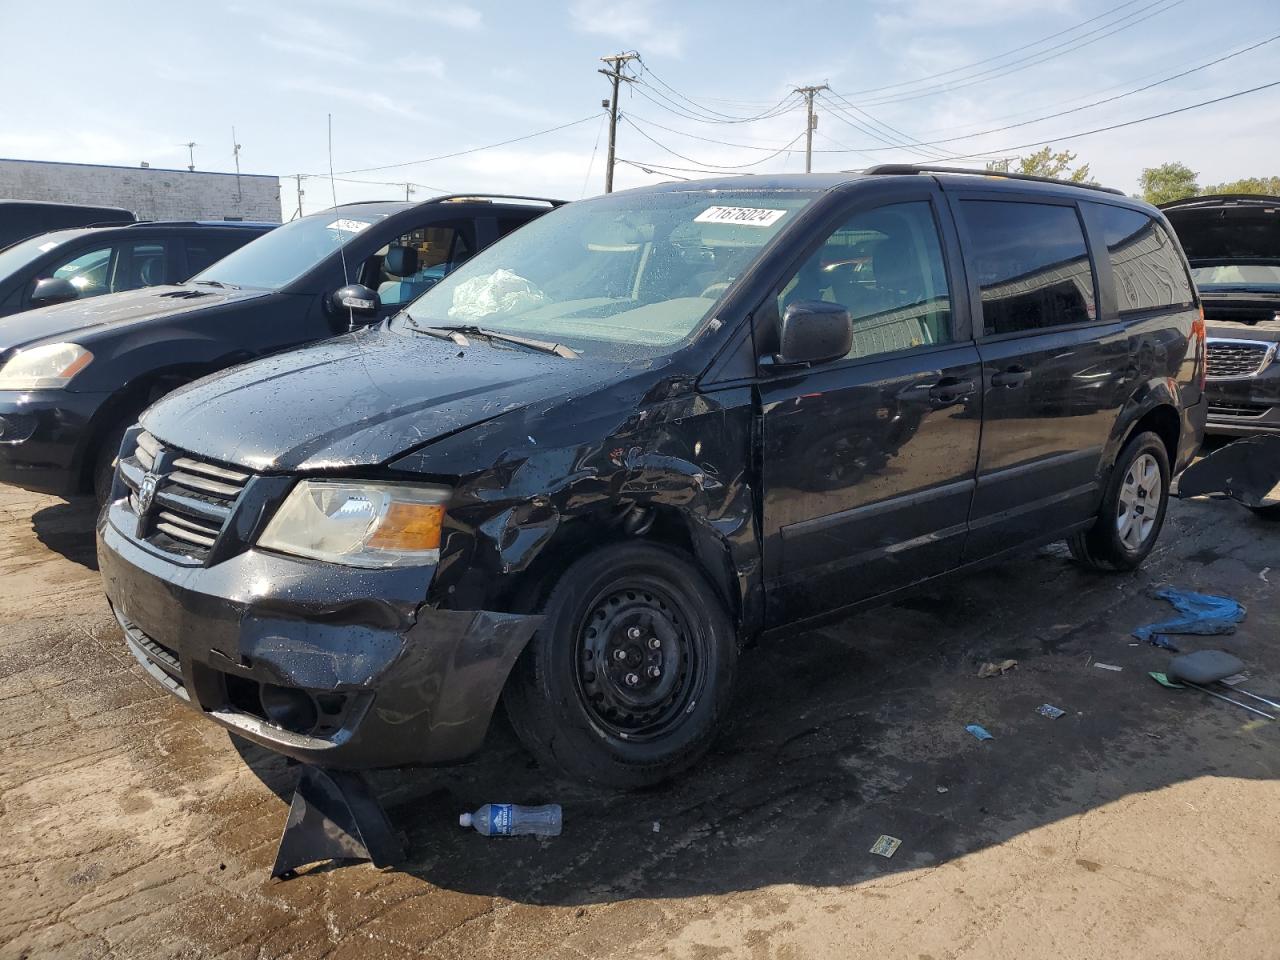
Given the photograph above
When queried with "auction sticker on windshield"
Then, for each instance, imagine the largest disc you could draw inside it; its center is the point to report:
(744, 216)
(348, 226)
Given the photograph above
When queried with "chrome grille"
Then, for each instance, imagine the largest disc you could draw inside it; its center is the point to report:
(1236, 359)
(193, 498)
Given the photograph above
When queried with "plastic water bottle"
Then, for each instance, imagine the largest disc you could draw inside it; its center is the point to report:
(510, 819)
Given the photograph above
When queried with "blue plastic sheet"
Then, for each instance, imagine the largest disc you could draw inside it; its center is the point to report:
(1202, 613)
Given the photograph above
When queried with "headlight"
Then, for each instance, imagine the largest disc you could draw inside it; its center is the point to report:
(50, 365)
(361, 524)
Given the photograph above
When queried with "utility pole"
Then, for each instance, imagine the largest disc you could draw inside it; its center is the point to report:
(811, 124)
(298, 178)
(235, 152)
(615, 76)
(408, 189)
(191, 154)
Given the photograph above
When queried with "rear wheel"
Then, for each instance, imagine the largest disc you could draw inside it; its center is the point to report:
(631, 671)
(1132, 511)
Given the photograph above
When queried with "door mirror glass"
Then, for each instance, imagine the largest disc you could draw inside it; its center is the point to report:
(358, 299)
(814, 331)
(52, 290)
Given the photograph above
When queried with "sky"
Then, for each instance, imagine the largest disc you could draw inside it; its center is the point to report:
(407, 80)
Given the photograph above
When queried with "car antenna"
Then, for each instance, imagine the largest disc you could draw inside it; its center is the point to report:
(342, 244)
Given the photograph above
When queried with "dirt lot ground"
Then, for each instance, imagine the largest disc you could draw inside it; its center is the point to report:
(1143, 823)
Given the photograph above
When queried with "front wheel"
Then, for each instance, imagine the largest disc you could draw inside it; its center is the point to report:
(1132, 511)
(627, 679)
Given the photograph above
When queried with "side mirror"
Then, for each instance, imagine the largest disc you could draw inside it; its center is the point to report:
(813, 331)
(358, 299)
(53, 290)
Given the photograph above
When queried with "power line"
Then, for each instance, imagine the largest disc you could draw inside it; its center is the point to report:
(665, 102)
(1126, 123)
(463, 153)
(1042, 56)
(723, 117)
(997, 56)
(702, 163)
(1095, 103)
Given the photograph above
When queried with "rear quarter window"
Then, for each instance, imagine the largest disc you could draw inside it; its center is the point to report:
(1148, 269)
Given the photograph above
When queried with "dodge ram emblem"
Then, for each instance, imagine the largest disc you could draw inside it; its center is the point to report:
(147, 492)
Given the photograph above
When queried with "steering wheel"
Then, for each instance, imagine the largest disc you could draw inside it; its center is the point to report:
(714, 291)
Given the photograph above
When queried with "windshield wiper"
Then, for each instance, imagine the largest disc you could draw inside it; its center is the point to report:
(217, 283)
(458, 334)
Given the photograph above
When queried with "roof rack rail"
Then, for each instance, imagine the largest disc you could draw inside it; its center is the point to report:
(495, 196)
(897, 168)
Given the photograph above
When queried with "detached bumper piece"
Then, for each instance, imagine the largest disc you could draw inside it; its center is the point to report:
(334, 816)
(1247, 471)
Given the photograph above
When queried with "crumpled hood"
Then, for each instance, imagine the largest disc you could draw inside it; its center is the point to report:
(73, 320)
(359, 400)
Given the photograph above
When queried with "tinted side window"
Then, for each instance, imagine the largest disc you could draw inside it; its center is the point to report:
(203, 251)
(886, 266)
(1148, 270)
(507, 224)
(139, 265)
(1031, 264)
(432, 253)
(88, 272)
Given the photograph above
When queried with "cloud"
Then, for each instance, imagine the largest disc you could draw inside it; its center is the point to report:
(431, 66)
(378, 102)
(975, 13)
(638, 24)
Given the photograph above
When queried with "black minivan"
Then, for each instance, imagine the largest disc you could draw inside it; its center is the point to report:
(74, 376)
(583, 469)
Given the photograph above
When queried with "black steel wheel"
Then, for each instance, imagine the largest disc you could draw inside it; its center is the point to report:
(627, 679)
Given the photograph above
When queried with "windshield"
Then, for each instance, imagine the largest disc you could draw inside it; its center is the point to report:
(1237, 275)
(629, 274)
(287, 252)
(23, 252)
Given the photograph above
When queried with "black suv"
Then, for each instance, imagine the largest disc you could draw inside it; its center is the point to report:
(20, 219)
(78, 264)
(74, 376)
(1233, 243)
(583, 469)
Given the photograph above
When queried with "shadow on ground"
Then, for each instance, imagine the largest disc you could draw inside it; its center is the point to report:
(842, 734)
(67, 529)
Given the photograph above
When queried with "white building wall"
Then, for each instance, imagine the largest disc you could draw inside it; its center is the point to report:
(151, 193)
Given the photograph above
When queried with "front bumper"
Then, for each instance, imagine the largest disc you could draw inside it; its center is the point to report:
(1242, 406)
(42, 436)
(257, 640)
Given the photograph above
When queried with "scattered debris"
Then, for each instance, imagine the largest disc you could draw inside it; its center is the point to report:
(1159, 640)
(942, 789)
(1262, 575)
(657, 826)
(1164, 680)
(995, 668)
(1202, 613)
(1212, 666)
(1234, 679)
(886, 846)
(979, 731)
(1108, 666)
(1050, 711)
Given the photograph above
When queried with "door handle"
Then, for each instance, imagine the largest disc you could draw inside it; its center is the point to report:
(951, 389)
(1012, 377)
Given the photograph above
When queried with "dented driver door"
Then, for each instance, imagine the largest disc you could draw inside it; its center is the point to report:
(869, 462)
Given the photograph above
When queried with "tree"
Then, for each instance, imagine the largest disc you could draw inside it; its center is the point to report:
(1167, 182)
(1265, 186)
(1045, 163)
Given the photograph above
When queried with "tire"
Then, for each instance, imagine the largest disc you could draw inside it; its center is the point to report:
(105, 458)
(656, 609)
(1126, 528)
